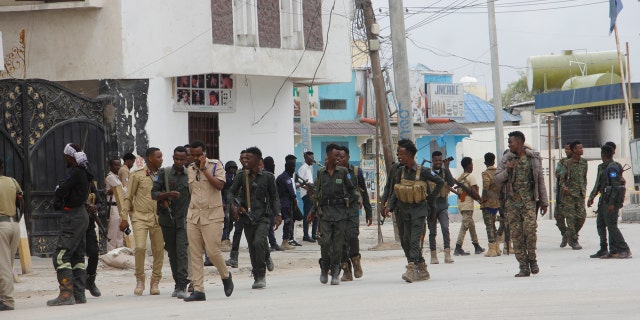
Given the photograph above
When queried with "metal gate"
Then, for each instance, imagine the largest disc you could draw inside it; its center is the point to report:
(39, 118)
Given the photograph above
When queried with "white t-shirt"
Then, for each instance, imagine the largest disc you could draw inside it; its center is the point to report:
(467, 204)
(305, 172)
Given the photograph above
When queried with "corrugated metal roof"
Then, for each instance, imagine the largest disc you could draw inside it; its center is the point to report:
(357, 128)
(338, 128)
(477, 110)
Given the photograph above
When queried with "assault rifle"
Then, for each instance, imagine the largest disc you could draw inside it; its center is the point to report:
(305, 184)
(503, 213)
(92, 210)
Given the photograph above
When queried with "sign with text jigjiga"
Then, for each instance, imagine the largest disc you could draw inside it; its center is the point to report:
(445, 100)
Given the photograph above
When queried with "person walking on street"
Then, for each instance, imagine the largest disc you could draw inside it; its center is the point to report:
(611, 188)
(410, 202)
(490, 204)
(10, 194)
(334, 192)
(171, 191)
(351, 254)
(254, 195)
(521, 171)
(466, 205)
(205, 219)
(572, 188)
(116, 237)
(142, 209)
(439, 213)
(305, 173)
(238, 224)
(68, 258)
(559, 216)
(288, 199)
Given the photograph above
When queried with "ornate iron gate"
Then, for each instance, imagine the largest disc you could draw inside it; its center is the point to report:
(39, 118)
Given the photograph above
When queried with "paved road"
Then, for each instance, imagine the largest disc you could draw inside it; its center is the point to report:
(569, 286)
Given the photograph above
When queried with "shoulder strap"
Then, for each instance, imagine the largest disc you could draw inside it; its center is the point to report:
(355, 171)
(417, 177)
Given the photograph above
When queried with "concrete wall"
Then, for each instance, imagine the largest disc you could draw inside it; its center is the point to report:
(343, 91)
(160, 38)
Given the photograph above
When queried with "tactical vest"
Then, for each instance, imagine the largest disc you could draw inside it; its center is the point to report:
(411, 191)
(622, 190)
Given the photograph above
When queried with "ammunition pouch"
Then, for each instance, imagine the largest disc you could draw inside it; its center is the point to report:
(411, 191)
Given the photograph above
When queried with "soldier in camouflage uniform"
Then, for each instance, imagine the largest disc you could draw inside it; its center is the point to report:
(333, 196)
(559, 216)
(521, 171)
(411, 204)
(572, 189)
(609, 184)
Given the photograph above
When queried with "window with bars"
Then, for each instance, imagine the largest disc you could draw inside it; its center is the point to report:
(203, 126)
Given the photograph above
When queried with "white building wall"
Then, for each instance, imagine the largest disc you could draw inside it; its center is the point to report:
(238, 130)
(273, 134)
(166, 129)
(120, 39)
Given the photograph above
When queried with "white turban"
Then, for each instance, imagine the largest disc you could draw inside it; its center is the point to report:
(69, 150)
(81, 157)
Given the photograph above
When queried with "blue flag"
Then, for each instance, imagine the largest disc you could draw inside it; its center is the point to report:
(615, 6)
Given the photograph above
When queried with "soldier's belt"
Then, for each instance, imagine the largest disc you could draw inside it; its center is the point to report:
(333, 202)
(7, 219)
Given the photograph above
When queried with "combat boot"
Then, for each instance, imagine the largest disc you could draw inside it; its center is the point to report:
(91, 285)
(233, 260)
(478, 248)
(564, 241)
(497, 247)
(447, 256)
(269, 263)
(357, 266)
(434, 257)
(65, 279)
(533, 264)
(492, 250)
(228, 285)
(153, 287)
(259, 280)
(79, 285)
(409, 275)
(225, 246)
(346, 271)
(335, 274)
(602, 252)
(286, 246)
(422, 272)
(324, 271)
(139, 285)
(575, 245)
(459, 252)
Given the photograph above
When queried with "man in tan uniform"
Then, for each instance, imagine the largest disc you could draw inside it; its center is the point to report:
(123, 173)
(205, 219)
(142, 210)
(9, 237)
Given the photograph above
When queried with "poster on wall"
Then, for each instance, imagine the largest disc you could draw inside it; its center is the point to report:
(211, 92)
(445, 100)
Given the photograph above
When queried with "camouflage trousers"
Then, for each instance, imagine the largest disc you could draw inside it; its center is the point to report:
(490, 223)
(572, 208)
(559, 215)
(467, 224)
(521, 216)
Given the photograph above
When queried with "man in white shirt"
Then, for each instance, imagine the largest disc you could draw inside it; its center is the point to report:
(305, 174)
(466, 199)
(116, 237)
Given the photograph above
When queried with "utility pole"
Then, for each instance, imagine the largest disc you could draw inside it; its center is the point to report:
(382, 118)
(401, 70)
(495, 77)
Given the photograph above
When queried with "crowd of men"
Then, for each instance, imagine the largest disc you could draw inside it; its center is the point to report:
(190, 208)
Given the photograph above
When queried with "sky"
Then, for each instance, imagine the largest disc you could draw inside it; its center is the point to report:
(457, 40)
